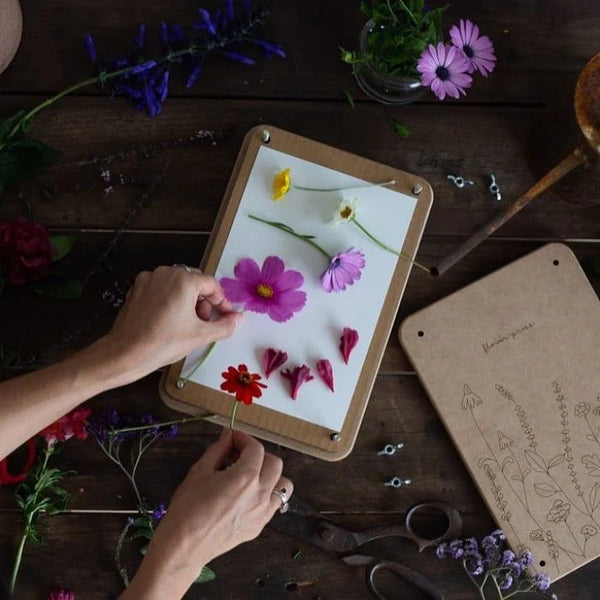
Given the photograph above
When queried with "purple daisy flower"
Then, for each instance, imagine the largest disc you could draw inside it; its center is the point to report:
(478, 50)
(444, 70)
(343, 270)
(271, 290)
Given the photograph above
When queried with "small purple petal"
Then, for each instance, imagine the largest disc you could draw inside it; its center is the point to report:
(88, 40)
(164, 33)
(272, 270)
(207, 22)
(143, 67)
(140, 38)
(193, 76)
(246, 60)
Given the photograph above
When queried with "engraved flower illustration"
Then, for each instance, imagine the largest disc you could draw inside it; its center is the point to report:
(537, 535)
(582, 409)
(592, 463)
(559, 511)
(470, 400)
(504, 441)
(588, 530)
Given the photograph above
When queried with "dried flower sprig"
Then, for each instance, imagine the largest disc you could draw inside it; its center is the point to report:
(491, 561)
(343, 269)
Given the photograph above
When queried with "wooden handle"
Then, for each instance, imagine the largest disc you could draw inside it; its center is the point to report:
(576, 158)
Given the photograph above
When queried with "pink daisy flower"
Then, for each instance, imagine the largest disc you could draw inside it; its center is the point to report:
(343, 270)
(444, 70)
(269, 290)
(478, 50)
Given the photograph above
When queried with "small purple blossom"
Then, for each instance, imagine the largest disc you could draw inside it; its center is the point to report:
(508, 556)
(241, 58)
(474, 566)
(525, 559)
(271, 49)
(442, 550)
(456, 549)
(159, 512)
(506, 582)
(206, 22)
(541, 581)
(88, 41)
(140, 38)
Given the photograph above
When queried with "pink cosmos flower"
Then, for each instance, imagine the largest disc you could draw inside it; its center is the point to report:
(271, 290)
(444, 70)
(297, 377)
(343, 270)
(348, 342)
(272, 360)
(325, 371)
(478, 50)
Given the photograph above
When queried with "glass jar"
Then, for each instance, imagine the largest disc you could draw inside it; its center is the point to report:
(382, 87)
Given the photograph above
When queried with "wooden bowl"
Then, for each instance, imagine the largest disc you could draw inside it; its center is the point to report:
(587, 104)
(11, 27)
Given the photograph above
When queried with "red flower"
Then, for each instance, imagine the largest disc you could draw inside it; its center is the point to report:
(325, 371)
(243, 384)
(25, 251)
(71, 425)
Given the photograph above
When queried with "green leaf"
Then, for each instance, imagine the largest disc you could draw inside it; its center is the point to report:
(400, 129)
(62, 245)
(205, 575)
(365, 9)
(349, 97)
(62, 290)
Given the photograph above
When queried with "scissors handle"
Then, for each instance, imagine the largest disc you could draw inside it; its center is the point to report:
(451, 529)
(407, 574)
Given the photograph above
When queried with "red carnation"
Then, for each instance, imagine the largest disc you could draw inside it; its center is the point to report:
(70, 425)
(25, 251)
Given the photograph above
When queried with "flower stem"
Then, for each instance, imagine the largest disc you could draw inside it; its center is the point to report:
(382, 245)
(163, 424)
(210, 350)
(408, 11)
(233, 412)
(356, 187)
(27, 528)
(305, 238)
(120, 568)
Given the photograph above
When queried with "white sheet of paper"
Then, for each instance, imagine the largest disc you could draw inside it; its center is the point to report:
(314, 332)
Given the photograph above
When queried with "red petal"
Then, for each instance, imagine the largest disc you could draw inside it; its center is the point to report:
(348, 342)
(325, 372)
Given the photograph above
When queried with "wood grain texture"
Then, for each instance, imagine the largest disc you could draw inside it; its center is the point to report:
(540, 48)
(513, 143)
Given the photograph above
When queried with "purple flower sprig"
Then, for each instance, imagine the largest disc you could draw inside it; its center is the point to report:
(146, 81)
(491, 561)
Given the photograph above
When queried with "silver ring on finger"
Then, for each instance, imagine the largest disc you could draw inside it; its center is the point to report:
(187, 269)
(281, 493)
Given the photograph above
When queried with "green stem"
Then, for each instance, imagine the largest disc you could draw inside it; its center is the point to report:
(287, 229)
(233, 412)
(158, 425)
(356, 187)
(210, 350)
(120, 568)
(385, 247)
(408, 11)
(473, 580)
(26, 529)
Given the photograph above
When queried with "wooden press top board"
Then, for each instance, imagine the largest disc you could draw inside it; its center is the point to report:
(394, 214)
(511, 364)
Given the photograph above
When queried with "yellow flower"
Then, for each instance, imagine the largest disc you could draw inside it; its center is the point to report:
(281, 184)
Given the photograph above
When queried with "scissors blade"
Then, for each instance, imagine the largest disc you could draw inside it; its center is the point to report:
(305, 523)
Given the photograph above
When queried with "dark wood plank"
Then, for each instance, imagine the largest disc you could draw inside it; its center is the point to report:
(264, 568)
(515, 144)
(540, 51)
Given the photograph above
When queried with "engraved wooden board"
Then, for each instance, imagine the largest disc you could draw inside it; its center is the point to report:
(249, 187)
(511, 364)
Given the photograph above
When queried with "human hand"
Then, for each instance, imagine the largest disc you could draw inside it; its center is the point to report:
(166, 316)
(211, 512)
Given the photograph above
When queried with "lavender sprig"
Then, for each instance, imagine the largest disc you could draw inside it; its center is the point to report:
(491, 561)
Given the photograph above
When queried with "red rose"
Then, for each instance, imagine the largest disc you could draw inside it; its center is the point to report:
(25, 251)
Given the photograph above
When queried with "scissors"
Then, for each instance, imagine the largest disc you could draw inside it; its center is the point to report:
(305, 523)
(8, 478)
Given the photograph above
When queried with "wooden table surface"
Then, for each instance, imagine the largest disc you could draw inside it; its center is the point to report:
(517, 124)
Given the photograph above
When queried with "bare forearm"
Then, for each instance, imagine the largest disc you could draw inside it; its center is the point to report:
(33, 401)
